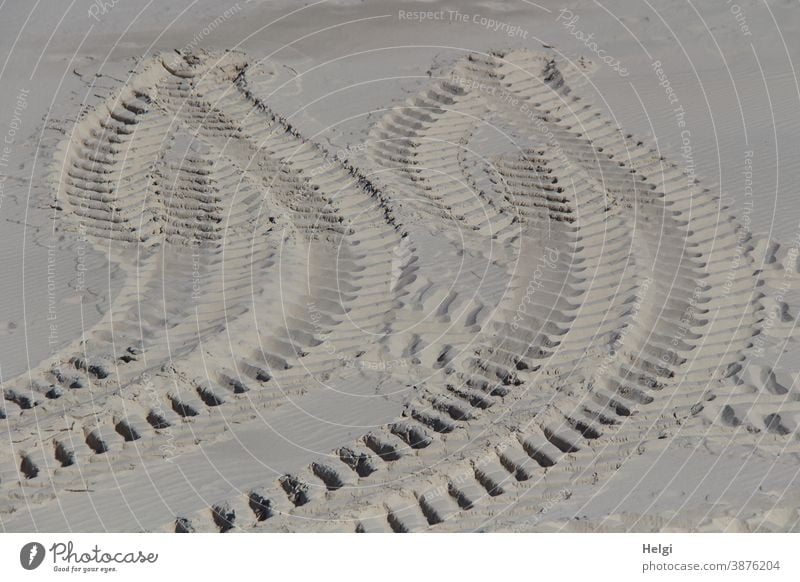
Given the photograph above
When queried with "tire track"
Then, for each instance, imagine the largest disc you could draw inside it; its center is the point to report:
(601, 331)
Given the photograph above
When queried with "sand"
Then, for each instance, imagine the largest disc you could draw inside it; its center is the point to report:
(366, 270)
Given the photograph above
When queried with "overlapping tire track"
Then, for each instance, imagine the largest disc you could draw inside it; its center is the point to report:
(605, 331)
(638, 337)
(206, 195)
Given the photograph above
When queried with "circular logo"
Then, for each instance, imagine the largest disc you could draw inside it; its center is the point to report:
(31, 555)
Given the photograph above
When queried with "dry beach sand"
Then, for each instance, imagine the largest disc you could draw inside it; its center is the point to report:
(356, 267)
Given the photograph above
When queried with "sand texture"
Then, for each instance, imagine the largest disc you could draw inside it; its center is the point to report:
(502, 313)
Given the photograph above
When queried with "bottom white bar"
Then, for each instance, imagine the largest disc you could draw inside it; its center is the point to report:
(393, 557)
